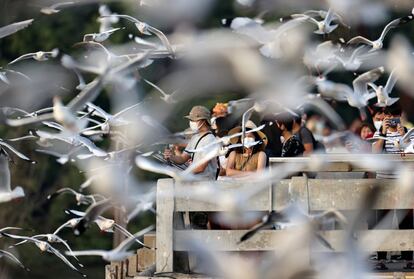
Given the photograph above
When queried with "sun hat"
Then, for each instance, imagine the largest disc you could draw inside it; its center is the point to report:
(249, 126)
(199, 113)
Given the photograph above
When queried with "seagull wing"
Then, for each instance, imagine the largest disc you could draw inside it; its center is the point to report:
(128, 234)
(91, 146)
(88, 94)
(392, 80)
(360, 83)
(359, 40)
(54, 251)
(23, 57)
(98, 110)
(4, 173)
(17, 153)
(29, 120)
(124, 245)
(13, 258)
(59, 5)
(393, 24)
(156, 87)
(329, 17)
(14, 27)
(61, 191)
(64, 225)
(148, 165)
(407, 137)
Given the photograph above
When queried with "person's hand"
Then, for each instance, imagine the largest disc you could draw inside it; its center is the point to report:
(385, 125)
(167, 154)
(400, 129)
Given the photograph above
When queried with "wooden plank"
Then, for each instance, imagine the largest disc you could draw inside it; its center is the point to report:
(146, 258)
(132, 268)
(150, 239)
(226, 240)
(165, 211)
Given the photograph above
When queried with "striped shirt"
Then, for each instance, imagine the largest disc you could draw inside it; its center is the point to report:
(390, 146)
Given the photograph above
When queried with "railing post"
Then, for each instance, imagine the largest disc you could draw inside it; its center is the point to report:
(164, 237)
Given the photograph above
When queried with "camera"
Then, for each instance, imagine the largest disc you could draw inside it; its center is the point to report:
(393, 122)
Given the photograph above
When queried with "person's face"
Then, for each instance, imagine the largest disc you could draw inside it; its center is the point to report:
(379, 116)
(366, 133)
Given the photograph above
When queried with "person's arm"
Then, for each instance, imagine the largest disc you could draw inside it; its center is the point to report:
(202, 167)
(261, 163)
(307, 141)
(178, 159)
(230, 170)
(378, 146)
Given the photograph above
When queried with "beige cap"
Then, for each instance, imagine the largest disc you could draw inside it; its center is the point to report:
(249, 125)
(199, 113)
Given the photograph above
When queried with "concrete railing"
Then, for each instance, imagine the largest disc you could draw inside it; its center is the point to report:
(312, 194)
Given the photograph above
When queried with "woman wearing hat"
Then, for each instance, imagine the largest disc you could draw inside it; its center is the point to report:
(249, 158)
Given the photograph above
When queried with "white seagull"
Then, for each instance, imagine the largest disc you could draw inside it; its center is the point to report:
(105, 19)
(44, 246)
(120, 253)
(80, 198)
(99, 37)
(378, 44)
(383, 93)
(146, 29)
(6, 193)
(39, 56)
(324, 27)
(168, 98)
(53, 9)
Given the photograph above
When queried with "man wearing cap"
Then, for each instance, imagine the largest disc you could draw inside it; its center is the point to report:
(200, 125)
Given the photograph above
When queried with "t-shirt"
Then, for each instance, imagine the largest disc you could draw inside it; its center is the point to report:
(210, 171)
(390, 147)
(292, 147)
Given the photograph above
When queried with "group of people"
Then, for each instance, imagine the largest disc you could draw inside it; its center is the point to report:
(285, 134)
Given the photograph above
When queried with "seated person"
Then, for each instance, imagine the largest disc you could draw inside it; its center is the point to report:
(292, 146)
(247, 159)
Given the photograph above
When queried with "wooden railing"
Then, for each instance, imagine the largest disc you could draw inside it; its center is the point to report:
(312, 194)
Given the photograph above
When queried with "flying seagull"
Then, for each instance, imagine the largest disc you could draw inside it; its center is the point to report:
(383, 93)
(6, 193)
(53, 9)
(378, 44)
(39, 56)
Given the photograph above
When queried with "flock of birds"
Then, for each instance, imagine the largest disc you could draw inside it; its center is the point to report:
(135, 132)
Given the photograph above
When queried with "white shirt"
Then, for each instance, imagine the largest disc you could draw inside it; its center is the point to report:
(210, 171)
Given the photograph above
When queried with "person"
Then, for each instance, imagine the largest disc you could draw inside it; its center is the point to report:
(366, 131)
(273, 133)
(304, 135)
(292, 146)
(393, 130)
(250, 158)
(199, 118)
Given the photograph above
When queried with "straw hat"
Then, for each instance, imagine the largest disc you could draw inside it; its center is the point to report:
(249, 126)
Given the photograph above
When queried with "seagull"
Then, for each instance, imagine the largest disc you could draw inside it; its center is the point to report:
(53, 9)
(357, 58)
(108, 225)
(324, 27)
(99, 37)
(13, 258)
(146, 29)
(291, 213)
(323, 14)
(404, 143)
(4, 73)
(105, 19)
(39, 56)
(378, 44)
(357, 97)
(4, 145)
(6, 194)
(119, 253)
(51, 238)
(383, 93)
(14, 27)
(168, 98)
(92, 213)
(46, 247)
(80, 198)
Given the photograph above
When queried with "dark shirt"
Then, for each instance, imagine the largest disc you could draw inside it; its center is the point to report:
(306, 136)
(273, 133)
(292, 147)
